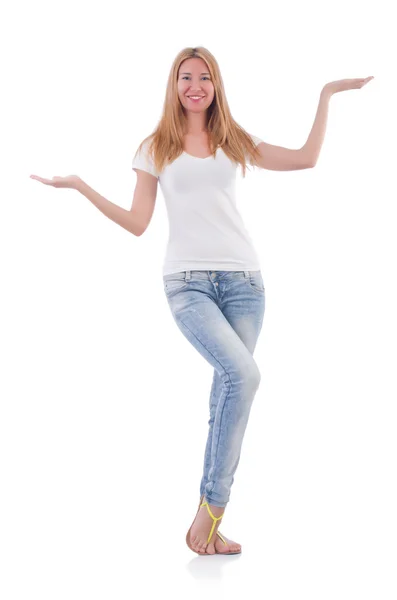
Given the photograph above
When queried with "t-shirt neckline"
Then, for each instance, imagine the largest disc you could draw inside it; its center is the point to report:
(200, 157)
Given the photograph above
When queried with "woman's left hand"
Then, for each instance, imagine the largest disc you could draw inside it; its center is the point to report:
(345, 84)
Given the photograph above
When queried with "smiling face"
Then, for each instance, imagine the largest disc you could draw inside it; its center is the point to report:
(194, 79)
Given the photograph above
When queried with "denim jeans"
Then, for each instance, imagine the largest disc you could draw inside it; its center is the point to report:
(221, 315)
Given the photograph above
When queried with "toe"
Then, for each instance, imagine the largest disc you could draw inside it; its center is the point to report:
(196, 544)
(211, 549)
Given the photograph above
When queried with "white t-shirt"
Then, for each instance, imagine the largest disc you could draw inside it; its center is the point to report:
(206, 230)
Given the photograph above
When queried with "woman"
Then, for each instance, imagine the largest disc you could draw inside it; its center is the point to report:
(211, 273)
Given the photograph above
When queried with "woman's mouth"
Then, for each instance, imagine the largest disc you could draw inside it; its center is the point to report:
(196, 98)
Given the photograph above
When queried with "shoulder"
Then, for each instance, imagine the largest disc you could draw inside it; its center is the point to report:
(143, 158)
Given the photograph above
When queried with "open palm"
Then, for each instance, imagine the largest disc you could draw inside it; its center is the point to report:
(70, 181)
(342, 85)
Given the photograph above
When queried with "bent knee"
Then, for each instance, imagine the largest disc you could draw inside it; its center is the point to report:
(249, 376)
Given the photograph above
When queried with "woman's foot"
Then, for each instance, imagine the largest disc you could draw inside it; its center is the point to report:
(220, 547)
(201, 528)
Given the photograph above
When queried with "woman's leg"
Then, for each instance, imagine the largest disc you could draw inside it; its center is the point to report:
(221, 314)
(248, 327)
(215, 391)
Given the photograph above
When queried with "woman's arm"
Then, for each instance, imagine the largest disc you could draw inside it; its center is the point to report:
(128, 219)
(311, 149)
(278, 158)
(124, 218)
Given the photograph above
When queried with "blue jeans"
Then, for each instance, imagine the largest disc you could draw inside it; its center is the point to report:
(221, 314)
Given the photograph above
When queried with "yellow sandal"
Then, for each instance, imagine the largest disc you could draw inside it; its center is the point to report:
(215, 519)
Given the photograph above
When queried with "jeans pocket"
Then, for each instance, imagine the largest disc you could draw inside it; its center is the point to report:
(173, 285)
(255, 282)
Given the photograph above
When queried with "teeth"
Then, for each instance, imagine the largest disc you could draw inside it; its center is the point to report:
(195, 97)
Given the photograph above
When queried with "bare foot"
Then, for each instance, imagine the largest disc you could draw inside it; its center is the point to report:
(201, 529)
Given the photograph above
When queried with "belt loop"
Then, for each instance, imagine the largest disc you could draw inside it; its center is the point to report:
(188, 276)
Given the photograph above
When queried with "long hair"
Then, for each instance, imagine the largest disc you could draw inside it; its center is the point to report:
(165, 144)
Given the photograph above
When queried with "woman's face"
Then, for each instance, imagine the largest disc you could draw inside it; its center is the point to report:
(194, 79)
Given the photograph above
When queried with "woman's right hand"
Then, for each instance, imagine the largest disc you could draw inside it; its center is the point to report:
(70, 181)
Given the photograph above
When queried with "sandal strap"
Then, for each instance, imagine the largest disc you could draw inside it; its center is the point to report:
(223, 540)
(215, 519)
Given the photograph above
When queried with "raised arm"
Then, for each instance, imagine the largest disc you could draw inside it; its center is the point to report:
(277, 158)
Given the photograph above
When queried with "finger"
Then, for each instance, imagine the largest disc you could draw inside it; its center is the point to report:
(47, 181)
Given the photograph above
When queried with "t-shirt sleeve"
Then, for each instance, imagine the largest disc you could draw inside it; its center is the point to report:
(143, 160)
(256, 139)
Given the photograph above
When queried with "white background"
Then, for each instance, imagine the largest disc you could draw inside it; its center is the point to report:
(104, 403)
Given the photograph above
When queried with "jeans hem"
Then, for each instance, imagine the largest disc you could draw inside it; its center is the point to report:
(214, 502)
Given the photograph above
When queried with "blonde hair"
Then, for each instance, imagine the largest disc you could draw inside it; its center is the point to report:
(166, 142)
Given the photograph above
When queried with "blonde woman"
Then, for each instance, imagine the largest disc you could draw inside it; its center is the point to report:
(211, 272)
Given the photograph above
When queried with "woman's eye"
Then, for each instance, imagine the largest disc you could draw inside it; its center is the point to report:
(205, 77)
